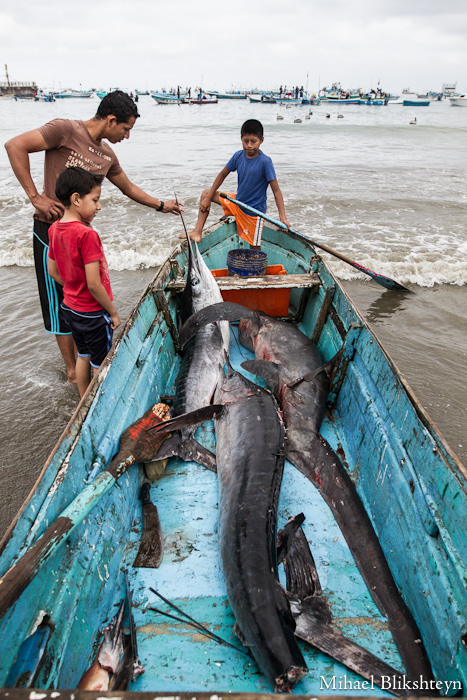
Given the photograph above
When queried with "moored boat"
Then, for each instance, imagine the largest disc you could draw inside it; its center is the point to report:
(70, 94)
(459, 100)
(199, 100)
(412, 485)
(264, 98)
(229, 95)
(166, 98)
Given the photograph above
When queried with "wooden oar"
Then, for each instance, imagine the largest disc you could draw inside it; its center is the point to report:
(136, 445)
(380, 279)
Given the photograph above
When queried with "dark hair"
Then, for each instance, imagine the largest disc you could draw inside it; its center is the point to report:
(253, 127)
(119, 104)
(75, 179)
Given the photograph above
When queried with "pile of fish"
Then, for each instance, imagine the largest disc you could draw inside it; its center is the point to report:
(251, 449)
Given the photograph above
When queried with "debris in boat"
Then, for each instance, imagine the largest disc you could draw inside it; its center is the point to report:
(31, 652)
(313, 616)
(136, 445)
(193, 623)
(116, 664)
(105, 665)
(151, 548)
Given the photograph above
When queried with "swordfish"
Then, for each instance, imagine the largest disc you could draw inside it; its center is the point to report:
(203, 360)
(292, 366)
(250, 461)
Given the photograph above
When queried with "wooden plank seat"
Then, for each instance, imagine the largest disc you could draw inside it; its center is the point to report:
(266, 282)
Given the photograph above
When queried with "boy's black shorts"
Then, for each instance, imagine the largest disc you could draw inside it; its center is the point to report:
(50, 293)
(91, 332)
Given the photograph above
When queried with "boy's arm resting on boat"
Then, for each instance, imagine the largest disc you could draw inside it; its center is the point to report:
(129, 189)
(98, 291)
(18, 150)
(276, 190)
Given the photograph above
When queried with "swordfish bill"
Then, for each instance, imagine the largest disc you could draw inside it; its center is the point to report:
(250, 460)
(285, 358)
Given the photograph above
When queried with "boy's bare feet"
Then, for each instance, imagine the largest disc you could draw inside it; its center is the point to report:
(194, 235)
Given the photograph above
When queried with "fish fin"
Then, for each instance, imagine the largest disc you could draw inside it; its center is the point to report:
(122, 676)
(223, 311)
(238, 633)
(323, 467)
(190, 450)
(200, 415)
(313, 629)
(302, 578)
(270, 371)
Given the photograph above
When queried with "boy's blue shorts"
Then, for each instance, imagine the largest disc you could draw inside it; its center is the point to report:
(91, 332)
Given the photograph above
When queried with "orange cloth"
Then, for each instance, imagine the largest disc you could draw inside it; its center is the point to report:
(250, 228)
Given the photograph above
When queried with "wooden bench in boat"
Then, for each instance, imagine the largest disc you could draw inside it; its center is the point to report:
(310, 279)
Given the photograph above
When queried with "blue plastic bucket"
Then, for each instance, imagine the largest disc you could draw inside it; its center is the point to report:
(247, 262)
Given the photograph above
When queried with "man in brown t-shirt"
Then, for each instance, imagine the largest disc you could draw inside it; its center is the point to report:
(69, 142)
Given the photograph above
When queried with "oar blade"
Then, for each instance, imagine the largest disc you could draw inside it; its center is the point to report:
(381, 279)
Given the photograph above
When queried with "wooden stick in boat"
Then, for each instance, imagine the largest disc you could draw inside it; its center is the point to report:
(137, 444)
(380, 279)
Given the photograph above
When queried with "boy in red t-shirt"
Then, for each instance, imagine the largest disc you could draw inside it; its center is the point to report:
(77, 262)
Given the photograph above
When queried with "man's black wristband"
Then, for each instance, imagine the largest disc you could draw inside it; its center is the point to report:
(161, 206)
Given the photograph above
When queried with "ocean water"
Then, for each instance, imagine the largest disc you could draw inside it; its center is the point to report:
(390, 195)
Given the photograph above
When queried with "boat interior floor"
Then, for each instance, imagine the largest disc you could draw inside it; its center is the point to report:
(176, 656)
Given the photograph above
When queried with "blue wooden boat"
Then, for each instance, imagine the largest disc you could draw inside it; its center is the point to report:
(416, 103)
(166, 98)
(412, 485)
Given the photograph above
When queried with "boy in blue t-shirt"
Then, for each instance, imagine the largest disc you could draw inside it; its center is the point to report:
(255, 172)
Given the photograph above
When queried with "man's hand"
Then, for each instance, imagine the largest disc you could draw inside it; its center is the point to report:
(49, 208)
(172, 207)
(285, 221)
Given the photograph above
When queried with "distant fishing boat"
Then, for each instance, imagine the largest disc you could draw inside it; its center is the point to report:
(459, 100)
(292, 100)
(229, 95)
(411, 99)
(412, 486)
(69, 94)
(371, 101)
(166, 98)
(199, 100)
(45, 97)
(416, 103)
(264, 98)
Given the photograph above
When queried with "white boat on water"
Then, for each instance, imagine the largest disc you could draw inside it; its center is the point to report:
(67, 94)
(262, 97)
(459, 100)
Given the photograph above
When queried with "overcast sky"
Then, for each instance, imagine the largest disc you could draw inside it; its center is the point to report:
(149, 44)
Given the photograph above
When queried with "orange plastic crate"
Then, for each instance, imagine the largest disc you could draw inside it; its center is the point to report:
(274, 302)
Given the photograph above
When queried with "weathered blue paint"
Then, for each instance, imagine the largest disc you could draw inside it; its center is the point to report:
(412, 485)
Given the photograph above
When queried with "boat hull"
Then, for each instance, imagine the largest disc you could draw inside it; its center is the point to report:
(412, 485)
